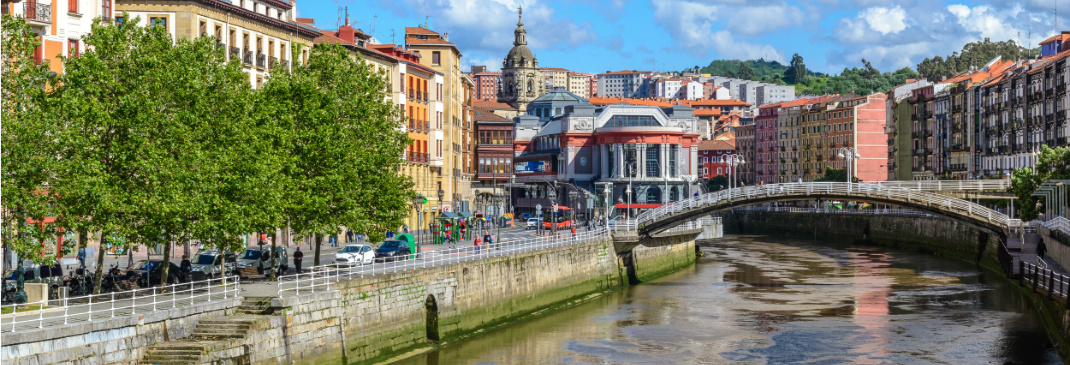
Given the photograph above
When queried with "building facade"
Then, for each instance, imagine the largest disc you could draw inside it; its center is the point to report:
(522, 81)
(60, 25)
(711, 158)
(622, 84)
(487, 85)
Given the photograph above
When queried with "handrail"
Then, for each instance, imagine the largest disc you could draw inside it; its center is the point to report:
(803, 190)
(326, 277)
(56, 312)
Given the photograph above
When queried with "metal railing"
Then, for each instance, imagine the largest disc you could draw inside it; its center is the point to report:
(1058, 224)
(805, 190)
(34, 10)
(825, 210)
(694, 224)
(1043, 280)
(58, 312)
(326, 277)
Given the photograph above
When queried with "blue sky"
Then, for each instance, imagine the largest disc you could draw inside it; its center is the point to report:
(599, 35)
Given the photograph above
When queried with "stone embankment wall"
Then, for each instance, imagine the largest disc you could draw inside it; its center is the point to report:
(940, 235)
(371, 319)
(386, 316)
(118, 340)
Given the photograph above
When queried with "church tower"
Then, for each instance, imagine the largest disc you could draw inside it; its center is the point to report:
(522, 81)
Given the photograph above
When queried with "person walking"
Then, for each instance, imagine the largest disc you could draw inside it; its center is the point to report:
(349, 236)
(587, 225)
(487, 239)
(1041, 249)
(476, 243)
(297, 259)
(81, 258)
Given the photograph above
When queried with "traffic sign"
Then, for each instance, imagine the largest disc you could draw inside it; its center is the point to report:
(538, 207)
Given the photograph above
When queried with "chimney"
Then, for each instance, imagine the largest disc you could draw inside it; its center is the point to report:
(346, 32)
(446, 37)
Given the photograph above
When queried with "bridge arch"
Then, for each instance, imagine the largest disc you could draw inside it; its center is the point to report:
(668, 216)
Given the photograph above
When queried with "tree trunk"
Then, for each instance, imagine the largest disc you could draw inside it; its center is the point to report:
(100, 263)
(222, 262)
(274, 240)
(319, 241)
(166, 264)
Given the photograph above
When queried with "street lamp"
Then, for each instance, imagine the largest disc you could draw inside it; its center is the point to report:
(553, 213)
(417, 202)
(609, 196)
(631, 174)
(733, 161)
(848, 154)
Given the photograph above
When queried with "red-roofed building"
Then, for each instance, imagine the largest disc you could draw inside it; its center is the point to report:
(487, 85)
(710, 154)
(765, 138)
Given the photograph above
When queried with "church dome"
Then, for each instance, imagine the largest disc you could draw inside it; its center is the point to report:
(520, 56)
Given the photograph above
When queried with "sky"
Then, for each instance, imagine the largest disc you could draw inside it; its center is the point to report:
(596, 36)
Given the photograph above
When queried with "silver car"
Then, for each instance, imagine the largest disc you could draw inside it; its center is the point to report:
(208, 263)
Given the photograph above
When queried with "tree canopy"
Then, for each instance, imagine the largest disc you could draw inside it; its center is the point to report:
(1052, 164)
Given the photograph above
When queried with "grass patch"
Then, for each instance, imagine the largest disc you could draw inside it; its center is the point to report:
(28, 308)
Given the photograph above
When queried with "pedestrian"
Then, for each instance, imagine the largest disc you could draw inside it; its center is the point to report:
(1041, 249)
(349, 236)
(297, 259)
(587, 225)
(186, 266)
(334, 241)
(476, 242)
(81, 258)
(487, 239)
(573, 231)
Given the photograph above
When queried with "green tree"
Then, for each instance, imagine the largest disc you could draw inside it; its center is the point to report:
(27, 158)
(343, 146)
(796, 72)
(1052, 164)
(833, 175)
(717, 183)
(745, 72)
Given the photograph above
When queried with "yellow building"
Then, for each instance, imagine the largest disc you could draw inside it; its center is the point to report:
(437, 53)
(264, 35)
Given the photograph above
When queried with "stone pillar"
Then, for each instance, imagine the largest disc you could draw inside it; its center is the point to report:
(603, 165)
(620, 160)
(664, 151)
(570, 160)
(692, 161)
(640, 159)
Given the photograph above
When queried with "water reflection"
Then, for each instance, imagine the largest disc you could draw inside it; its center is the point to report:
(757, 300)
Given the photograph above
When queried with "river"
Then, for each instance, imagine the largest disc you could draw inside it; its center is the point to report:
(758, 300)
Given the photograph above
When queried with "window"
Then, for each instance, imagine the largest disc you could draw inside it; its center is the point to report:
(158, 21)
(72, 47)
(105, 9)
(436, 58)
(72, 6)
(719, 172)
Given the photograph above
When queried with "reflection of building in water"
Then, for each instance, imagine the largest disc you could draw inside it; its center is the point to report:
(874, 283)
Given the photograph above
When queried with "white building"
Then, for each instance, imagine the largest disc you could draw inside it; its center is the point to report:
(622, 84)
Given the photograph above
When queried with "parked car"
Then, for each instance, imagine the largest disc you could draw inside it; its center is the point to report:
(264, 265)
(208, 263)
(355, 255)
(392, 250)
(533, 223)
(51, 275)
(249, 257)
(144, 270)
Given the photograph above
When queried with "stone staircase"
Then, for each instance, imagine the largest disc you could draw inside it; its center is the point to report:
(219, 340)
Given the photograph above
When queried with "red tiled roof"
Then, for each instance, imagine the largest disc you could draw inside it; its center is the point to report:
(773, 105)
(716, 145)
(487, 115)
(1056, 38)
(552, 69)
(307, 21)
(492, 105)
(419, 30)
(433, 41)
(707, 112)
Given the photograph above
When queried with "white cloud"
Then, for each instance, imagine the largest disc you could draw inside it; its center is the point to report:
(691, 24)
(728, 47)
(494, 64)
(985, 22)
(885, 20)
(746, 19)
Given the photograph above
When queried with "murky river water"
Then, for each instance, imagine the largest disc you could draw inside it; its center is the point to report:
(758, 300)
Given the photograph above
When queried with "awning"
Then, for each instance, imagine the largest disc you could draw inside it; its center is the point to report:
(467, 215)
(562, 207)
(536, 157)
(448, 215)
(637, 206)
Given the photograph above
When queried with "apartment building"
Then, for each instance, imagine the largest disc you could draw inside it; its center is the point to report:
(622, 84)
(61, 25)
(262, 34)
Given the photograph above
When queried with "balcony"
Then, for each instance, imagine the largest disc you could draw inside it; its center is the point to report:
(286, 64)
(781, 148)
(794, 148)
(274, 62)
(261, 60)
(416, 157)
(37, 12)
(820, 158)
(247, 57)
(235, 53)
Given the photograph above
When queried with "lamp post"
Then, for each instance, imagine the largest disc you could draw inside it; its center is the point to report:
(417, 202)
(848, 154)
(553, 212)
(631, 174)
(609, 196)
(732, 160)
(441, 195)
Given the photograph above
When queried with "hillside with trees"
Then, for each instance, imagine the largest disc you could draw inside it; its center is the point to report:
(866, 79)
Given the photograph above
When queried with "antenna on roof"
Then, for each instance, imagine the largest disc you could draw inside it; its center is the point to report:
(392, 36)
(374, 18)
(341, 16)
(427, 20)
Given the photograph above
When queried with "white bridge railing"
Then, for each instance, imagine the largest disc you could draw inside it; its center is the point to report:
(58, 312)
(867, 211)
(816, 189)
(948, 185)
(326, 277)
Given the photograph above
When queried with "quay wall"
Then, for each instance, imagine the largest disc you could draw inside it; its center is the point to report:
(935, 234)
(374, 318)
(116, 340)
